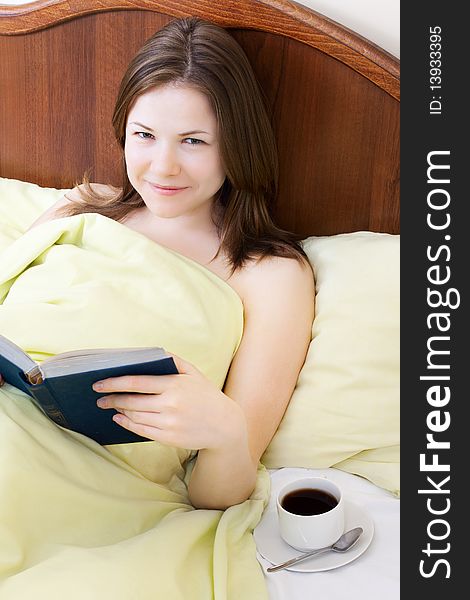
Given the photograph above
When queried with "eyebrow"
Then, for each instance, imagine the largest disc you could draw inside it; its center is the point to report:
(181, 134)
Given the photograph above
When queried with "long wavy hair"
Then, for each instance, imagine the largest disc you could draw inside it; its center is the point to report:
(201, 55)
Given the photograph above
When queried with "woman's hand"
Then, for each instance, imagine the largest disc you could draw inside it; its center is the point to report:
(184, 410)
(2, 381)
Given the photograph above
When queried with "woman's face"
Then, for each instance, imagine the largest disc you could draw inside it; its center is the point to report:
(172, 151)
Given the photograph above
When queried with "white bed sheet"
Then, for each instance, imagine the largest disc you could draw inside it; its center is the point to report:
(374, 574)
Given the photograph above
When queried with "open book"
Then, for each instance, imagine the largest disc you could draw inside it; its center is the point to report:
(61, 385)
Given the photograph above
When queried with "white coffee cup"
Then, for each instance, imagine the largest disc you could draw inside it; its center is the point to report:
(311, 531)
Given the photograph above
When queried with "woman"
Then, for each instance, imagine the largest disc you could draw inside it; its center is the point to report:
(199, 179)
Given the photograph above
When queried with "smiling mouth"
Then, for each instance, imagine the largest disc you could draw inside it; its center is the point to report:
(166, 190)
(167, 187)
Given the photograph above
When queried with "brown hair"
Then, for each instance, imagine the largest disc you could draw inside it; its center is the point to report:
(204, 56)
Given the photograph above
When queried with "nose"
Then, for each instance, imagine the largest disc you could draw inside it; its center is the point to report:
(165, 161)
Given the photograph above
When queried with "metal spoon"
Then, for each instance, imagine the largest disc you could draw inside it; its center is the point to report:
(346, 541)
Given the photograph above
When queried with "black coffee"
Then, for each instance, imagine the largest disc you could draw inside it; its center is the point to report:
(308, 502)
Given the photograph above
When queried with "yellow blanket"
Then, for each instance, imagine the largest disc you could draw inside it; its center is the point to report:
(80, 521)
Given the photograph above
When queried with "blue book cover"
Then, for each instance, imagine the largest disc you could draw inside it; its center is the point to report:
(62, 385)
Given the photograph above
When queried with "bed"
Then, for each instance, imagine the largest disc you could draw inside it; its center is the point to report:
(334, 102)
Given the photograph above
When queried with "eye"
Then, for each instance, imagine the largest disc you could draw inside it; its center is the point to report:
(143, 135)
(193, 141)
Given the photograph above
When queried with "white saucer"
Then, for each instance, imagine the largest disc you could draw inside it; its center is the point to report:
(275, 550)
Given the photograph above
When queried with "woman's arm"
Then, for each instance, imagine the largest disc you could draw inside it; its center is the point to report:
(279, 310)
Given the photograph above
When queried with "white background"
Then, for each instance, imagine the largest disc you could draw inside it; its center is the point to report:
(376, 20)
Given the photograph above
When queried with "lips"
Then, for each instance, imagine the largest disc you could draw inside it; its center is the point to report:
(166, 190)
(166, 187)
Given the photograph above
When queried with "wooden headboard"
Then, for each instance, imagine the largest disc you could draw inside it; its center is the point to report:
(333, 97)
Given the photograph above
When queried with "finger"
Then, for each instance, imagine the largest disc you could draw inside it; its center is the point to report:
(144, 430)
(2, 381)
(143, 384)
(141, 402)
(147, 418)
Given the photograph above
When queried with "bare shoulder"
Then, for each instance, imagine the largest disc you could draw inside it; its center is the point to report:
(276, 279)
(74, 195)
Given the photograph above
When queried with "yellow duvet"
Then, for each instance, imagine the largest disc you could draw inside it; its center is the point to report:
(79, 521)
